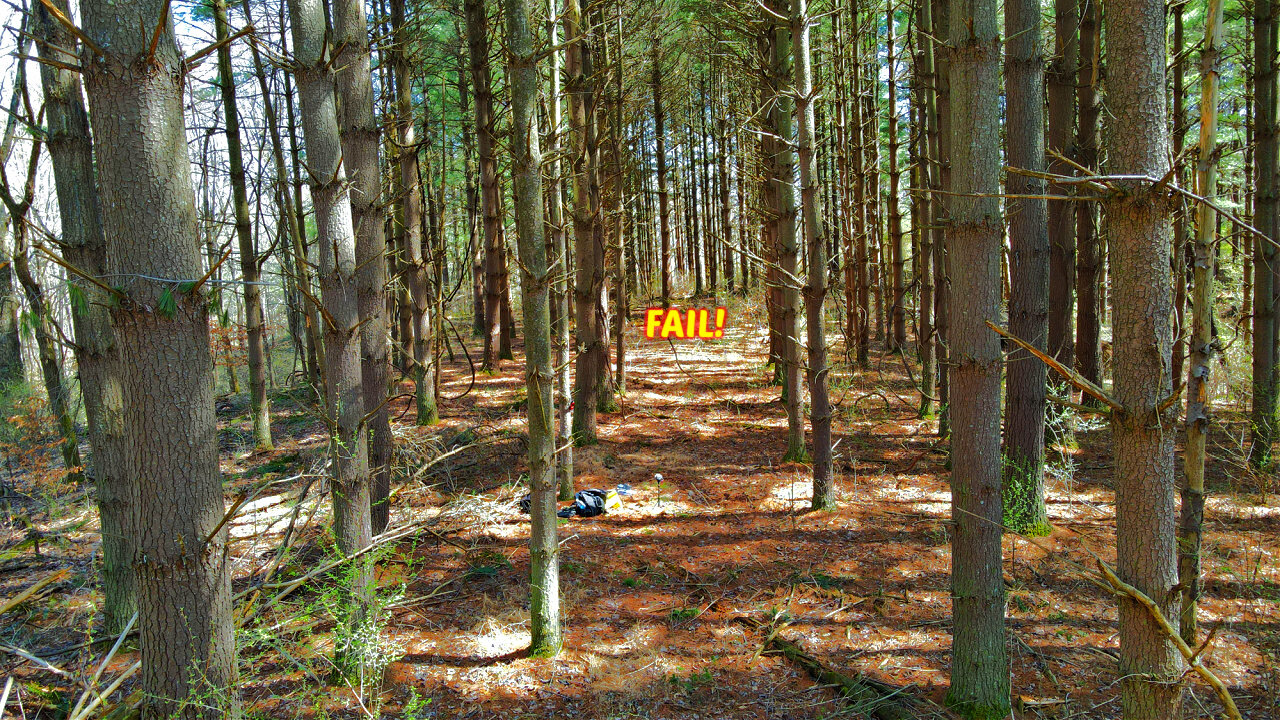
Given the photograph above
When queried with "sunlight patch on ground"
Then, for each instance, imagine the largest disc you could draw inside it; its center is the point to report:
(793, 495)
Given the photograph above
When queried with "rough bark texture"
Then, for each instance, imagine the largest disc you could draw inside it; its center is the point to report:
(942, 216)
(559, 263)
(250, 270)
(1088, 245)
(359, 131)
(1063, 70)
(544, 543)
(335, 236)
(589, 328)
(48, 353)
(420, 320)
(897, 340)
(84, 246)
(1202, 345)
(788, 244)
(1138, 232)
(1024, 509)
(10, 338)
(664, 200)
(149, 220)
(979, 665)
(1266, 205)
(815, 235)
(930, 230)
(477, 20)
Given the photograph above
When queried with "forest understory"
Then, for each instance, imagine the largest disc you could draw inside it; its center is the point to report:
(654, 594)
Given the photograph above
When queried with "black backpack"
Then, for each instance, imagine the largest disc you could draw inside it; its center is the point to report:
(587, 503)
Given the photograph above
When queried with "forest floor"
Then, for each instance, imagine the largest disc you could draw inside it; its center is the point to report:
(652, 594)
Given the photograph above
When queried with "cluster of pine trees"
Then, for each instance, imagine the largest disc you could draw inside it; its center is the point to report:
(931, 174)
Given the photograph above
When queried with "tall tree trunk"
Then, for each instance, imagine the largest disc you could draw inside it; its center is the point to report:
(942, 219)
(664, 200)
(250, 268)
(477, 20)
(1181, 246)
(339, 283)
(788, 245)
(1266, 206)
(588, 232)
(420, 319)
(1138, 228)
(1203, 340)
(931, 201)
(359, 132)
(559, 262)
(84, 246)
(824, 489)
(1089, 246)
(149, 221)
(897, 249)
(544, 544)
(979, 664)
(1063, 70)
(1024, 509)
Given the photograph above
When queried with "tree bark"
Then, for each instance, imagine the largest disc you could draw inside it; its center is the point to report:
(559, 263)
(1203, 341)
(149, 221)
(1063, 70)
(544, 544)
(897, 249)
(788, 246)
(477, 20)
(250, 268)
(335, 236)
(1138, 233)
(1088, 349)
(1024, 509)
(979, 666)
(84, 246)
(824, 490)
(416, 275)
(592, 347)
(1266, 205)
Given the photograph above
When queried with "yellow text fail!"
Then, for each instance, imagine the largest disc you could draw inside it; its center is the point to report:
(690, 324)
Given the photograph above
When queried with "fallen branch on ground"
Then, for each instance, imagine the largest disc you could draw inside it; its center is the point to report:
(871, 696)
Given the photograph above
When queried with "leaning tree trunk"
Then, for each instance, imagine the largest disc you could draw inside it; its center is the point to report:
(84, 246)
(359, 133)
(1024, 509)
(162, 332)
(335, 236)
(420, 320)
(10, 337)
(526, 168)
(979, 665)
(250, 267)
(1138, 234)
(824, 489)
(1266, 206)
(47, 351)
(1203, 343)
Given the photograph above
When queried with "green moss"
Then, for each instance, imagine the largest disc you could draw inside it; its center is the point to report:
(977, 711)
